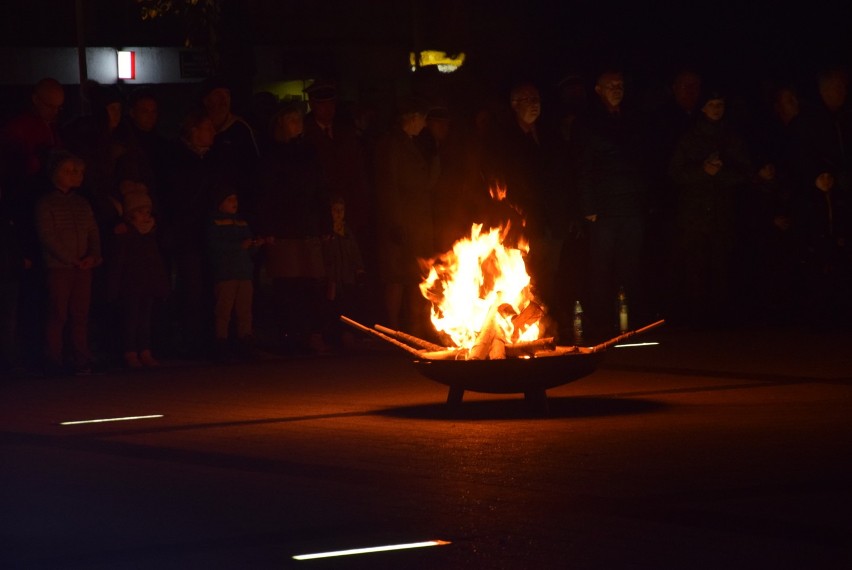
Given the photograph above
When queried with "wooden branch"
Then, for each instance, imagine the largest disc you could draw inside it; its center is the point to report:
(411, 339)
(560, 351)
(625, 336)
(393, 341)
(498, 349)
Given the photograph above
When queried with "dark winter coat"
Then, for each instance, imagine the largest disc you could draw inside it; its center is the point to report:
(291, 202)
(707, 204)
(135, 267)
(405, 180)
(613, 177)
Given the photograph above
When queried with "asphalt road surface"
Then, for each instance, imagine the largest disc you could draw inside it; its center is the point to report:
(708, 450)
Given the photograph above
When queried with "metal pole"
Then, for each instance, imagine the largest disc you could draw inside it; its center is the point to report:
(81, 41)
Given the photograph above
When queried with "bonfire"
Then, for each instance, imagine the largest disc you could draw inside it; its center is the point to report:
(483, 303)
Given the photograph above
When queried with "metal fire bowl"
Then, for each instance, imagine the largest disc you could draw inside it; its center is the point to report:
(511, 375)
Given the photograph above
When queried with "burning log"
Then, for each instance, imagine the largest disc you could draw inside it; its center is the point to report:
(530, 347)
(530, 315)
(498, 348)
(442, 353)
(487, 334)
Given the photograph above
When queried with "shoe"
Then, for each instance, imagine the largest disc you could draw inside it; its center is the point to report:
(131, 359)
(147, 359)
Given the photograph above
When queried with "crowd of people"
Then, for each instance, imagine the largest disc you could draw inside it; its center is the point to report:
(121, 245)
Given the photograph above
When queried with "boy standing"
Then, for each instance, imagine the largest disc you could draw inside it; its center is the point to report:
(230, 245)
(71, 248)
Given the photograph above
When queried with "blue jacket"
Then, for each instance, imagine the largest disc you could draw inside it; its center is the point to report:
(228, 259)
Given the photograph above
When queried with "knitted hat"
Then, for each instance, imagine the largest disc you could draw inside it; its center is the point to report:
(220, 191)
(710, 94)
(135, 200)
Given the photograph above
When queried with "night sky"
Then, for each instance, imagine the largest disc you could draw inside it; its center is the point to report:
(736, 40)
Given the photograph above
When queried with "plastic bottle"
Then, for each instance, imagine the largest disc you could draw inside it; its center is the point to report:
(622, 310)
(578, 324)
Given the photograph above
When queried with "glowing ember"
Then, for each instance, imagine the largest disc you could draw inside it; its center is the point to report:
(481, 289)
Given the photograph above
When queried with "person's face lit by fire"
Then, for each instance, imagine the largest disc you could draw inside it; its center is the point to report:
(714, 110)
(48, 100)
(229, 205)
(290, 125)
(203, 134)
(217, 105)
(610, 89)
(686, 89)
(324, 110)
(140, 216)
(69, 175)
(113, 113)
(338, 214)
(526, 103)
(144, 113)
(413, 123)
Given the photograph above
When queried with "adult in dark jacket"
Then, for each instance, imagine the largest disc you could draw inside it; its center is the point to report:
(525, 157)
(148, 159)
(291, 207)
(26, 142)
(613, 185)
(405, 179)
(186, 203)
(823, 137)
(824, 205)
(234, 146)
(710, 169)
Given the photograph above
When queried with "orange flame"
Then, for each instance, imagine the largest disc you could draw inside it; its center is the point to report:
(479, 278)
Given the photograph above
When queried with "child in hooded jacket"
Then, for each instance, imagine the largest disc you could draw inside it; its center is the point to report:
(137, 277)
